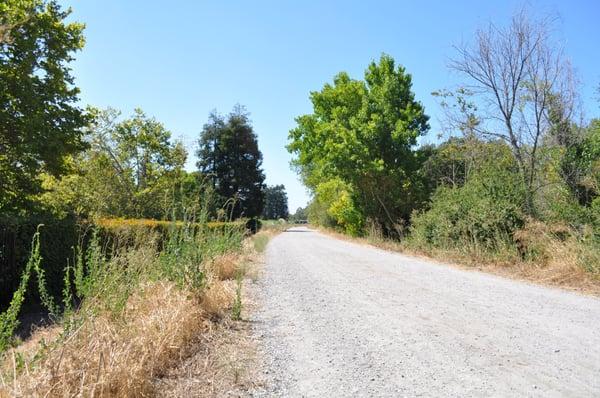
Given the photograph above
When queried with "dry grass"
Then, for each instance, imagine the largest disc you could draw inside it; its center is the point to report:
(222, 362)
(167, 341)
(226, 266)
(108, 357)
(558, 258)
(217, 298)
(260, 242)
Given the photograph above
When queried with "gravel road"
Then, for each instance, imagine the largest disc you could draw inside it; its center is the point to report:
(340, 319)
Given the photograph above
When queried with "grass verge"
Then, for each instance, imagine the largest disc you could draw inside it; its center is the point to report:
(223, 359)
(129, 320)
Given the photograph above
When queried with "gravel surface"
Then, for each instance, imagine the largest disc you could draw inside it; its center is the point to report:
(340, 319)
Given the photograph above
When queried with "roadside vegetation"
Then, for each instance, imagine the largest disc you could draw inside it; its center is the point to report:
(123, 319)
(514, 180)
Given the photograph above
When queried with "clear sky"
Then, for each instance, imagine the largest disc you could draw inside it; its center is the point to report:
(180, 59)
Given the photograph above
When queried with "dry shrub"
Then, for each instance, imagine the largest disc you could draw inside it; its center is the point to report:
(552, 253)
(108, 357)
(536, 240)
(225, 266)
(217, 298)
(223, 362)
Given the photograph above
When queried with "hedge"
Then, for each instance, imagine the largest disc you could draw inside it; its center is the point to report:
(60, 238)
(57, 240)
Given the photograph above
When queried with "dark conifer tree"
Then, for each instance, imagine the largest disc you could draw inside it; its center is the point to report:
(229, 157)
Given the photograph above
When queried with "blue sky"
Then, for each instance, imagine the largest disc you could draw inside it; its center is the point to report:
(179, 60)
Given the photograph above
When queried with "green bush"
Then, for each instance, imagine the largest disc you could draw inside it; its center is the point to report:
(187, 249)
(480, 216)
(339, 206)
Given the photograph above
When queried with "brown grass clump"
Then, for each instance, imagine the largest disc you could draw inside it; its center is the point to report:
(217, 298)
(225, 267)
(107, 357)
(222, 362)
(553, 254)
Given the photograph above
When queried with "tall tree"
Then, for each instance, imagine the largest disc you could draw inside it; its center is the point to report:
(40, 124)
(359, 141)
(132, 169)
(516, 77)
(276, 203)
(144, 146)
(299, 215)
(229, 157)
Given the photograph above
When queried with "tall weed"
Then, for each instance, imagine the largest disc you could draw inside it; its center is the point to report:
(9, 319)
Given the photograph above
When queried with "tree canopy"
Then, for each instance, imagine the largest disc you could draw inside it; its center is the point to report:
(132, 169)
(357, 146)
(228, 157)
(276, 203)
(40, 122)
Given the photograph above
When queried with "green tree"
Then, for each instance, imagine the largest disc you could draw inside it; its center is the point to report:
(132, 169)
(587, 155)
(145, 160)
(300, 214)
(40, 124)
(452, 162)
(276, 203)
(228, 156)
(363, 133)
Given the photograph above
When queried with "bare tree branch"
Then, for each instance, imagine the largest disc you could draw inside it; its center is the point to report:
(519, 74)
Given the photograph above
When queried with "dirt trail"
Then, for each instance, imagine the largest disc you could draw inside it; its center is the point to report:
(340, 319)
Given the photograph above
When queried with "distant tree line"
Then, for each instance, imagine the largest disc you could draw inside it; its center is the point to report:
(300, 215)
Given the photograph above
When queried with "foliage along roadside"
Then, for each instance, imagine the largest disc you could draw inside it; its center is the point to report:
(135, 309)
(60, 237)
(516, 182)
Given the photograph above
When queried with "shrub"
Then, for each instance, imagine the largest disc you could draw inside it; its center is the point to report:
(59, 239)
(480, 216)
(253, 225)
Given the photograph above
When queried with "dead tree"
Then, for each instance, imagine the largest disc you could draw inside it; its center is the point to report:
(516, 75)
